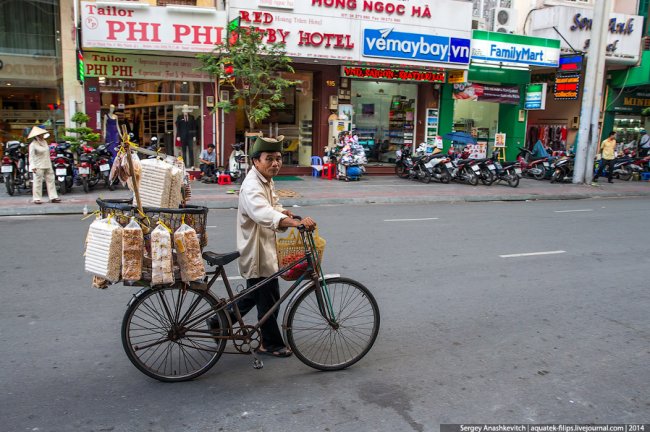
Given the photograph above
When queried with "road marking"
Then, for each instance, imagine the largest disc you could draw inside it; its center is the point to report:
(532, 254)
(572, 211)
(409, 220)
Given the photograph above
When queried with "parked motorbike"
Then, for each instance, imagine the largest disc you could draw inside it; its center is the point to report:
(465, 170)
(509, 172)
(88, 169)
(237, 165)
(15, 167)
(438, 166)
(103, 162)
(404, 162)
(532, 167)
(562, 169)
(63, 163)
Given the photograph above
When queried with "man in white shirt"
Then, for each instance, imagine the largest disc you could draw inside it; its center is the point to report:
(259, 217)
(644, 143)
(208, 161)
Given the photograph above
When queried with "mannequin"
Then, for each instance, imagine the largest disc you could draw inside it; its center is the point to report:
(186, 134)
(111, 131)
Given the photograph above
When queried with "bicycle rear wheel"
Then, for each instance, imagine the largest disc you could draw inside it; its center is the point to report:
(316, 343)
(165, 334)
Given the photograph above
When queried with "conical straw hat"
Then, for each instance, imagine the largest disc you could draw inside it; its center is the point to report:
(36, 131)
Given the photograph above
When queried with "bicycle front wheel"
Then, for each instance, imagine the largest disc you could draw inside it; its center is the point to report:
(166, 336)
(319, 344)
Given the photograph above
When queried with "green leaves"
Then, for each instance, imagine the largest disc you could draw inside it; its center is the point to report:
(255, 77)
(82, 134)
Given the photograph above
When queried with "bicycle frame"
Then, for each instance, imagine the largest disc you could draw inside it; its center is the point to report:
(313, 273)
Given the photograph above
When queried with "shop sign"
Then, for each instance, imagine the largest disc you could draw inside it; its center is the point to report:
(624, 32)
(477, 151)
(457, 76)
(375, 32)
(486, 93)
(29, 69)
(632, 102)
(570, 63)
(535, 98)
(150, 28)
(133, 66)
(566, 87)
(400, 45)
(499, 140)
(396, 74)
(508, 49)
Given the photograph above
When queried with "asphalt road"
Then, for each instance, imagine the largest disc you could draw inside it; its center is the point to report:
(472, 332)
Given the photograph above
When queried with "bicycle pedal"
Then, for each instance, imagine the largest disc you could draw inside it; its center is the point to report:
(258, 364)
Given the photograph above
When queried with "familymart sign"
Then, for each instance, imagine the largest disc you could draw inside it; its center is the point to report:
(507, 49)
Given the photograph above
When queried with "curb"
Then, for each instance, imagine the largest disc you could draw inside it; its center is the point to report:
(77, 209)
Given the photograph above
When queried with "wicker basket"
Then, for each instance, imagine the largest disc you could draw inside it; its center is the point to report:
(291, 248)
(123, 209)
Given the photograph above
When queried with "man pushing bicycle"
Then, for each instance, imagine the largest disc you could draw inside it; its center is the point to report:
(259, 217)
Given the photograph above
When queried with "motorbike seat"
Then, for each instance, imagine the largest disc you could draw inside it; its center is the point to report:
(216, 259)
(507, 164)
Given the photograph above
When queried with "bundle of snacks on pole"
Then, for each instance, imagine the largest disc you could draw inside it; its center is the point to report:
(104, 249)
(155, 183)
(162, 259)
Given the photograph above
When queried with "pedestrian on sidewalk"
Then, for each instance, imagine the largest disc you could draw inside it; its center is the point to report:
(259, 217)
(644, 143)
(607, 156)
(41, 165)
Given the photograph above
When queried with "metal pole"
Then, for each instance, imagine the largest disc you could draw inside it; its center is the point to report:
(592, 90)
(598, 91)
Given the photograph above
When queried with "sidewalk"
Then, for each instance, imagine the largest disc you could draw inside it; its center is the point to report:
(371, 189)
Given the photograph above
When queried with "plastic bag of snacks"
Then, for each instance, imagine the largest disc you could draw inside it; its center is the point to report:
(162, 270)
(132, 250)
(104, 249)
(188, 252)
(290, 249)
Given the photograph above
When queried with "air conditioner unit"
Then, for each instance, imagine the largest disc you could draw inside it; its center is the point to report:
(503, 20)
(478, 24)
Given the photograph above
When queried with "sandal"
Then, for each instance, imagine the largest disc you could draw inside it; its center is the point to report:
(38, 202)
(279, 352)
(56, 200)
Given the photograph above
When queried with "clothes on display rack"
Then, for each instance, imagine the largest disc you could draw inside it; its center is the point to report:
(551, 135)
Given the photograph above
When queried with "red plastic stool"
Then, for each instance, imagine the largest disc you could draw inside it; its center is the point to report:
(224, 179)
(329, 171)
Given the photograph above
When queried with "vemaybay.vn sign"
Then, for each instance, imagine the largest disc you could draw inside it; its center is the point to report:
(503, 48)
(387, 43)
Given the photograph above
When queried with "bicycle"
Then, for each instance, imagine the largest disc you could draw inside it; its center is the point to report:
(329, 323)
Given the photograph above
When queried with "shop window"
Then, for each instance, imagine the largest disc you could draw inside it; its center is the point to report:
(384, 116)
(29, 27)
(479, 119)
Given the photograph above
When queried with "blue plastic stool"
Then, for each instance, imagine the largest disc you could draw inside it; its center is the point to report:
(316, 161)
(645, 176)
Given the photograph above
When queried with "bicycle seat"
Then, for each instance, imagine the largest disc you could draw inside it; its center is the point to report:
(215, 259)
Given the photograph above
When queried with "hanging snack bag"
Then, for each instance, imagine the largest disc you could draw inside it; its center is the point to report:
(104, 249)
(188, 252)
(175, 193)
(132, 251)
(162, 271)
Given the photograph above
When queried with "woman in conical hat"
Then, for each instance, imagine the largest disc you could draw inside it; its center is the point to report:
(41, 165)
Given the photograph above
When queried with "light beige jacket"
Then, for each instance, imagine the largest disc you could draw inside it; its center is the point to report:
(39, 155)
(258, 219)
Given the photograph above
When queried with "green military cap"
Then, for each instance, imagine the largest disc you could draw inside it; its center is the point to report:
(268, 144)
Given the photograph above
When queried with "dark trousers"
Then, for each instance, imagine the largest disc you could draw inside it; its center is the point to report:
(610, 168)
(207, 169)
(188, 146)
(264, 298)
